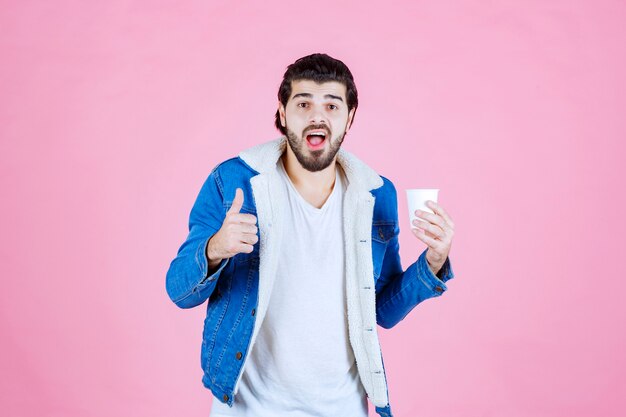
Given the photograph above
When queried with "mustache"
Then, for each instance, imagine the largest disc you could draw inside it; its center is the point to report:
(322, 127)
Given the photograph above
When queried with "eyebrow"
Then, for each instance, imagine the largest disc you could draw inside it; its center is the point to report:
(309, 95)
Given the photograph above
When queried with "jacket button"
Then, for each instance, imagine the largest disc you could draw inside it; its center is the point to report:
(253, 311)
(238, 355)
(225, 397)
(438, 288)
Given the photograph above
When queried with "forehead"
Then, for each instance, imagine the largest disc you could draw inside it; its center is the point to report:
(318, 91)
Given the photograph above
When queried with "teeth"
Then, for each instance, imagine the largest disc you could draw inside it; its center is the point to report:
(317, 134)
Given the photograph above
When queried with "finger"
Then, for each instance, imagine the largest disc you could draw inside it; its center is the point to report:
(428, 233)
(245, 248)
(237, 202)
(243, 218)
(247, 228)
(432, 218)
(249, 238)
(439, 210)
(432, 230)
(435, 244)
(237, 228)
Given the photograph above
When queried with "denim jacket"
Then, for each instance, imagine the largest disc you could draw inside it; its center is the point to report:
(378, 290)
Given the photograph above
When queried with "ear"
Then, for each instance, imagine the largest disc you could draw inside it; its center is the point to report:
(350, 117)
(281, 112)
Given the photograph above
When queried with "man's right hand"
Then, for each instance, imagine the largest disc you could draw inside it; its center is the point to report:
(238, 234)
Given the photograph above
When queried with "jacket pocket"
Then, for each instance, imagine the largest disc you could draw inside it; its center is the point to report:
(382, 232)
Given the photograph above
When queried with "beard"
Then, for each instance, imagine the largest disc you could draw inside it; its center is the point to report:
(317, 160)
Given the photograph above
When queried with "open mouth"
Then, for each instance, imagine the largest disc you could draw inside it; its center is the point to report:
(316, 139)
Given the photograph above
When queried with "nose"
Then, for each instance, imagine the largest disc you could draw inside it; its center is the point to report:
(317, 116)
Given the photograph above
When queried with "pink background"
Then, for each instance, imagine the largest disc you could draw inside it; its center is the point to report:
(113, 114)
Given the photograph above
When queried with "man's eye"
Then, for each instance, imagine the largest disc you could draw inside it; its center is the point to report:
(332, 106)
(301, 104)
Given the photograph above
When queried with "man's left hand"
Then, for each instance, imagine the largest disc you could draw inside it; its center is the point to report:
(436, 230)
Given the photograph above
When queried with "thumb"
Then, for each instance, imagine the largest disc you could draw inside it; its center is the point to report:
(237, 201)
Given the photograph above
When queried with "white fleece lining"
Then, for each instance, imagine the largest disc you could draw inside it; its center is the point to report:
(357, 216)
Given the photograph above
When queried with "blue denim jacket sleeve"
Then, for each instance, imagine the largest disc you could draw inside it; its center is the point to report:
(188, 282)
(399, 291)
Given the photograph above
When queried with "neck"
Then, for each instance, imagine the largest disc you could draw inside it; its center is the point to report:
(321, 181)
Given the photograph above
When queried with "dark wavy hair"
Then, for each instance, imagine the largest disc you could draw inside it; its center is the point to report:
(319, 68)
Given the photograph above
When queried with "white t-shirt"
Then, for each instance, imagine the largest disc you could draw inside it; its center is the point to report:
(302, 364)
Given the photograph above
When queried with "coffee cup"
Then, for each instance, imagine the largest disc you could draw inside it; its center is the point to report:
(416, 199)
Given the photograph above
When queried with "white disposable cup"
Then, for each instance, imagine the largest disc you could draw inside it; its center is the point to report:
(416, 199)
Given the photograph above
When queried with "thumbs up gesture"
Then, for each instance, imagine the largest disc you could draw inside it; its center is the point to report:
(238, 233)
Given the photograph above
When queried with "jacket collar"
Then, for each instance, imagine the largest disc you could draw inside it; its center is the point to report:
(264, 157)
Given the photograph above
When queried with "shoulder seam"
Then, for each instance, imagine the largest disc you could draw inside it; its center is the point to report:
(234, 158)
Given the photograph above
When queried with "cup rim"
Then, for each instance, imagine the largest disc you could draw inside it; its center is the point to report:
(422, 189)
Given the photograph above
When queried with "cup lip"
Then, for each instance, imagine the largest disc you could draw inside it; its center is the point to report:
(421, 189)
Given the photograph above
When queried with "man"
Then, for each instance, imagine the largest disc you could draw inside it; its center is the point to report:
(293, 304)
